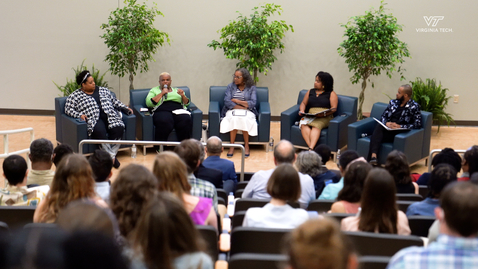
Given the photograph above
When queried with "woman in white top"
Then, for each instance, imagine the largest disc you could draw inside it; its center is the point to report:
(283, 186)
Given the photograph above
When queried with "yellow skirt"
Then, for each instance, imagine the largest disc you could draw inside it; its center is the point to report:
(320, 123)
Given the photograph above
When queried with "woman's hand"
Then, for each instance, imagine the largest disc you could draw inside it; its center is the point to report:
(83, 117)
(301, 113)
(181, 92)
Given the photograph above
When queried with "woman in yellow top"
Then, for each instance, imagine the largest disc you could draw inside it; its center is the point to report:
(169, 110)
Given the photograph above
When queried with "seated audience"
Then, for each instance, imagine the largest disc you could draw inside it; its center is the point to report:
(349, 197)
(441, 175)
(332, 190)
(41, 151)
(101, 164)
(284, 152)
(214, 149)
(212, 175)
(172, 175)
(457, 244)
(310, 163)
(326, 154)
(448, 156)
(16, 193)
(379, 212)
(190, 153)
(283, 186)
(470, 163)
(59, 152)
(73, 180)
(319, 244)
(134, 186)
(397, 165)
(176, 242)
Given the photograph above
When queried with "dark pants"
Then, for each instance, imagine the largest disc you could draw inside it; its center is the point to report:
(166, 121)
(380, 135)
(101, 131)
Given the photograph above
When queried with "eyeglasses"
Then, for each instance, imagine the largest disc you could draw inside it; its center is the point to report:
(234, 77)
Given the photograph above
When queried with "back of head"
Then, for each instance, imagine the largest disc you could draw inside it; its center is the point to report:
(214, 145)
(88, 216)
(354, 179)
(165, 231)
(202, 152)
(441, 175)
(397, 165)
(407, 89)
(347, 157)
(471, 159)
(324, 152)
(101, 164)
(172, 173)
(318, 244)
(61, 151)
(189, 152)
(379, 208)
(284, 183)
(284, 152)
(15, 168)
(309, 162)
(41, 150)
(449, 156)
(134, 186)
(459, 201)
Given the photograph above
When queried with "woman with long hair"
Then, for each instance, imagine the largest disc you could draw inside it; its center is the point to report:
(349, 197)
(165, 237)
(73, 180)
(397, 165)
(172, 175)
(379, 212)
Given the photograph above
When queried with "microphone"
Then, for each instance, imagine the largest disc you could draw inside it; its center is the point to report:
(165, 95)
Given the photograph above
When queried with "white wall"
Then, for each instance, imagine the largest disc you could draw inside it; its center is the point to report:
(42, 40)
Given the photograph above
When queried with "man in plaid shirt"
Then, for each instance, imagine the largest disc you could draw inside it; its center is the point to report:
(190, 153)
(457, 244)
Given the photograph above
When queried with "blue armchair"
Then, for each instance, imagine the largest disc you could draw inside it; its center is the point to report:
(144, 124)
(335, 136)
(216, 102)
(71, 131)
(414, 143)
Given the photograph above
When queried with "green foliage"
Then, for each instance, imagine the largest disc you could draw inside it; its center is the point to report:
(433, 98)
(132, 39)
(372, 46)
(71, 84)
(252, 40)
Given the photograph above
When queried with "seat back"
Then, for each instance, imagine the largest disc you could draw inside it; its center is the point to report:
(256, 261)
(209, 235)
(257, 240)
(403, 205)
(59, 110)
(221, 194)
(409, 197)
(242, 185)
(373, 262)
(16, 216)
(238, 219)
(320, 206)
(374, 244)
(419, 225)
(243, 204)
(427, 120)
(377, 110)
(423, 190)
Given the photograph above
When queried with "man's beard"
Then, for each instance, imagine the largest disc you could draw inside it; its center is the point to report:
(401, 99)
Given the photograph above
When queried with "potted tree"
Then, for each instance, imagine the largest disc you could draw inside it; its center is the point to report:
(132, 39)
(252, 40)
(433, 98)
(372, 46)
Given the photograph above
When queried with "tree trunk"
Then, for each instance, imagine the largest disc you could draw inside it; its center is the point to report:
(131, 78)
(361, 98)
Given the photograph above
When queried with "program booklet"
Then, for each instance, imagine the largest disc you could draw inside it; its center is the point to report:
(388, 128)
(315, 114)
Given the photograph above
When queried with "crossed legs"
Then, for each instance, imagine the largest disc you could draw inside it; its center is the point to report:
(311, 135)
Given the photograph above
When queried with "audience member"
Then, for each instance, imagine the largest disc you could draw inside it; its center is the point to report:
(101, 164)
(166, 237)
(319, 244)
(41, 152)
(134, 186)
(284, 152)
(16, 193)
(397, 165)
(59, 152)
(172, 175)
(349, 197)
(73, 180)
(214, 149)
(379, 212)
(283, 186)
(326, 154)
(457, 244)
(470, 163)
(309, 163)
(212, 175)
(332, 190)
(441, 175)
(448, 156)
(190, 153)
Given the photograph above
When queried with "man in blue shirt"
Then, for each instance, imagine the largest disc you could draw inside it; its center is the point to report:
(332, 190)
(214, 149)
(457, 244)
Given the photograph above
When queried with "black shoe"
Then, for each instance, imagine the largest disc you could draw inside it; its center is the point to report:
(116, 163)
(373, 161)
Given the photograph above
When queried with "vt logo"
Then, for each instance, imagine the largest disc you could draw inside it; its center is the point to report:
(433, 20)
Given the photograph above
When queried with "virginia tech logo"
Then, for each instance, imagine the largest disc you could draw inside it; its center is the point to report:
(433, 20)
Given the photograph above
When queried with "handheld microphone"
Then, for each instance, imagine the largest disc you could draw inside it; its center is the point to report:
(165, 95)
